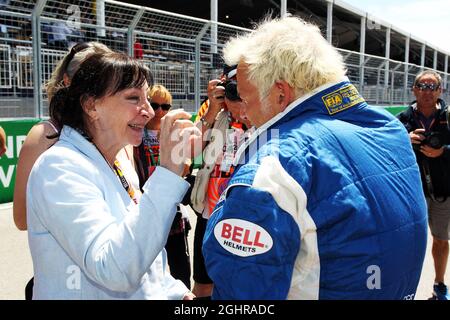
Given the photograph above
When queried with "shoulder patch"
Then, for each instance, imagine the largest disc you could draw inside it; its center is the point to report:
(242, 238)
(342, 99)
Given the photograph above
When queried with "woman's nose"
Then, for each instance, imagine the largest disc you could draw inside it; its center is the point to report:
(147, 109)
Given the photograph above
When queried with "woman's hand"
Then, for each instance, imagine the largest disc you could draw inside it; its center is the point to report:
(178, 136)
(189, 296)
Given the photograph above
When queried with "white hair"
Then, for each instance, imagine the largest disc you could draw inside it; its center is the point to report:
(288, 49)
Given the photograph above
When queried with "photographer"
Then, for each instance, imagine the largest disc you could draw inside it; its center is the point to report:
(426, 121)
(220, 120)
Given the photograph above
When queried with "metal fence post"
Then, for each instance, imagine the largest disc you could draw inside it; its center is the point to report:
(197, 88)
(37, 74)
(131, 28)
(378, 86)
(362, 51)
(361, 73)
(214, 19)
(446, 74)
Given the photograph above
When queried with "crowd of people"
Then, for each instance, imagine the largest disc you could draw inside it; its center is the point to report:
(303, 191)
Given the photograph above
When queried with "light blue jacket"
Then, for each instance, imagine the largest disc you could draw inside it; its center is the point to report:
(88, 239)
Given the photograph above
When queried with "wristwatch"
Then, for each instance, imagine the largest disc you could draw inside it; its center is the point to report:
(205, 123)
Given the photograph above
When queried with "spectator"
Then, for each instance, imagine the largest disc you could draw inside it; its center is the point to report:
(221, 113)
(59, 37)
(426, 121)
(84, 217)
(323, 202)
(138, 50)
(2, 141)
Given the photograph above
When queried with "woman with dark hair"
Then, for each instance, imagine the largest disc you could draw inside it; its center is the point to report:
(45, 133)
(91, 235)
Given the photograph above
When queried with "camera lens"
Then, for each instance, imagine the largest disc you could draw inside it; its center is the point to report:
(435, 141)
(231, 91)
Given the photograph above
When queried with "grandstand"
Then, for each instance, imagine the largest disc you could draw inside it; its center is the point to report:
(184, 51)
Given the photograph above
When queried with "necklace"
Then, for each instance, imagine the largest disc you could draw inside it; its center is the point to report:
(129, 189)
(119, 173)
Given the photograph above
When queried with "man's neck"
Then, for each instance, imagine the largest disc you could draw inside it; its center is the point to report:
(427, 110)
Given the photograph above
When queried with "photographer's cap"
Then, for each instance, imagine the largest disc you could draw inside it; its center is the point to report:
(230, 71)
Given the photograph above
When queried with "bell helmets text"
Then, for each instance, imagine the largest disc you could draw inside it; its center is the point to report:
(242, 238)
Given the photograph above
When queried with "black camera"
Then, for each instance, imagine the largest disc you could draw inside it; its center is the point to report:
(432, 139)
(230, 90)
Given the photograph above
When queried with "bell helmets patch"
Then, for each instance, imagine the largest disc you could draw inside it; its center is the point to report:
(242, 238)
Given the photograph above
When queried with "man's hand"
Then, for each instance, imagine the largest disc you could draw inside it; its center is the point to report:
(417, 136)
(216, 96)
(431, 152)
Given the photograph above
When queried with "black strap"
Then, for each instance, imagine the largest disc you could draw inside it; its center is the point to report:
(428, 181)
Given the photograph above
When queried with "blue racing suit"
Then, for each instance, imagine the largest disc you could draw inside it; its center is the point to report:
(326, 202)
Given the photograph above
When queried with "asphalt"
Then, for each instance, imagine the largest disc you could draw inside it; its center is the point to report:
(16, 267)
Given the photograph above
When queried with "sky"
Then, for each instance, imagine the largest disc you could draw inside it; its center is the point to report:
(428, 20)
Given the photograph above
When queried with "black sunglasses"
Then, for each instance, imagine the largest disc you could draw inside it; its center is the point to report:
(427, 86)
(164, 106)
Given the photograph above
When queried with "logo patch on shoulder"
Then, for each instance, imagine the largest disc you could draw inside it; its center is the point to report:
(342, 99)
(242, 238)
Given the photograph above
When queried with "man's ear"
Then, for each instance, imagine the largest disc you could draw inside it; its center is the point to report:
(285, 94)
(89, 107)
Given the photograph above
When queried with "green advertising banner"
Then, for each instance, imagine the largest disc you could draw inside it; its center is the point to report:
(395, 109)
(16, 131)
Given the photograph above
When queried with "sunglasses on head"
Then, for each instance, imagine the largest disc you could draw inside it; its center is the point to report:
(164, 106)
(75, 49)
(427, 86)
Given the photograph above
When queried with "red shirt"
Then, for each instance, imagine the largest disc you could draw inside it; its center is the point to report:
(138, 50)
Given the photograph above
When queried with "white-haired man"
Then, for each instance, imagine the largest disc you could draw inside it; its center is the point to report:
(327, 206)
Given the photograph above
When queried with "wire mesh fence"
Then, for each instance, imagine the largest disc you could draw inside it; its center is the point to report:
(182, 52)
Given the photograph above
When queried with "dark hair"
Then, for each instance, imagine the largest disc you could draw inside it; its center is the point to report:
(433, 73)
(100, 75)
(70, 64)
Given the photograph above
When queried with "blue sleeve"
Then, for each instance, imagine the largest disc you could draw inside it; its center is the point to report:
(250, 246)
